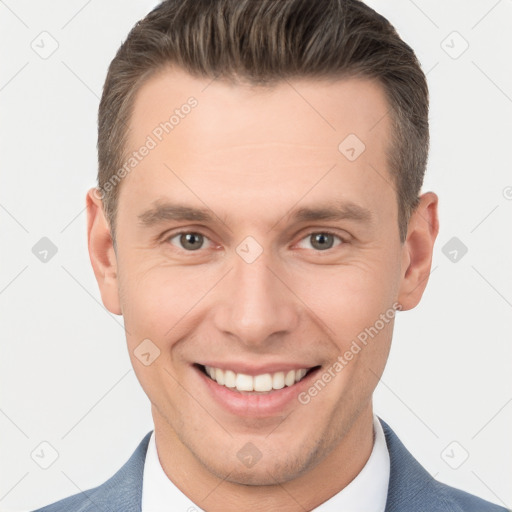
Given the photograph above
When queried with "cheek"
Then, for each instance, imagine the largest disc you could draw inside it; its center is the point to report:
(350, 298)
(156, 297)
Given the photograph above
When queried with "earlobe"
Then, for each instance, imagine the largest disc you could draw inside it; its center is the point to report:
(417, 251)
(101, 252)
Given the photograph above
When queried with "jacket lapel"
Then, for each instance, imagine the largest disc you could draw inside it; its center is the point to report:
(410, 485)
(123, 491)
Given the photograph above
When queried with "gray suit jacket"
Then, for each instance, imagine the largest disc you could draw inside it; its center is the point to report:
(411, 488)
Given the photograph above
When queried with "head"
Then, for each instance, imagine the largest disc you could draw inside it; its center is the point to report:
(273, 221)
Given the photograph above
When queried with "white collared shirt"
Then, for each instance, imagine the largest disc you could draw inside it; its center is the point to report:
(366, 493)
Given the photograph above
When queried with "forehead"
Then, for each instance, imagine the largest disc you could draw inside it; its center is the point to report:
(309, 110)
(226, 138)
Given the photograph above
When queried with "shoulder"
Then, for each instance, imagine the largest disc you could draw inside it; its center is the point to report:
(413, 489)
(123, 491)
(461, 501)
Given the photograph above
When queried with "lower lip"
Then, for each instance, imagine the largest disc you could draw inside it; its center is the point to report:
(257, 405)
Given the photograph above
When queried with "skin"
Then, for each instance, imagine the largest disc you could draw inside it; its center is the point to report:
(253, 156)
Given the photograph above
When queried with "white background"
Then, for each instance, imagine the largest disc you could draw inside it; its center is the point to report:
(65, 373)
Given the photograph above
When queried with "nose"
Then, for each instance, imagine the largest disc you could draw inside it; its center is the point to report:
(257, 305)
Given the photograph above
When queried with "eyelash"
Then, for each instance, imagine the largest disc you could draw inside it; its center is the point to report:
(308, 235)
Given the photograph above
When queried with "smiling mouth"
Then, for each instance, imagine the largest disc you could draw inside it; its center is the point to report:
(255, 384)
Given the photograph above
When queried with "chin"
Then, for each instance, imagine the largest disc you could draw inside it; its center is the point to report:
(273, 468)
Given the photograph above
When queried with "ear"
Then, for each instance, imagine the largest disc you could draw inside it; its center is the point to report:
(101, 252)
(417, 251)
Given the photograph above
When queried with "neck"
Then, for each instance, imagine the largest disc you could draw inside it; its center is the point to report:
(307, 491)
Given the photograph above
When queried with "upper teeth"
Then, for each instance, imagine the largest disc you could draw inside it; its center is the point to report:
(264, 382)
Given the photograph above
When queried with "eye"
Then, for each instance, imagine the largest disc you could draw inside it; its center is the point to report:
(189, 240)
(320, 241)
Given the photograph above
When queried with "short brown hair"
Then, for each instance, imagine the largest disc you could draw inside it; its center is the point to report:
(263, 42)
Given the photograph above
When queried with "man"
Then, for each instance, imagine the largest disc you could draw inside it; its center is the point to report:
(258, 223)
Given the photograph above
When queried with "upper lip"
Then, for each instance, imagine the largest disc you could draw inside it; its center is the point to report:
(260, 369)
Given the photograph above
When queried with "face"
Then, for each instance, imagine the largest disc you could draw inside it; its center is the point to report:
(254, 247)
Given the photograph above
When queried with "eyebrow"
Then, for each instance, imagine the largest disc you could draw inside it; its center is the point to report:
(165, 212)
